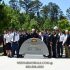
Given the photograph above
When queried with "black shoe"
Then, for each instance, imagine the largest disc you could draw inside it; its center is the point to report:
(66, 56)
(21, 56)
(54, 56)
(49, 57)
(4, 54)
(61, 56)
(45, 56)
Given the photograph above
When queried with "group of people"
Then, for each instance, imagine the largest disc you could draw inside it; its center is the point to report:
(55, 41)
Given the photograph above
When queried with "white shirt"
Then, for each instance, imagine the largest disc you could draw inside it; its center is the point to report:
(15, 37)
(12, 34)
(42, 38)
(7, 38)
(65, 38)
(62, 36)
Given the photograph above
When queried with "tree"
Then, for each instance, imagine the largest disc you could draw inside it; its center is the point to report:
(47, 24)
(14, 4)
(31, 6)
(45, 11)
(0, 1)
(33, 24)
(68, 13)
(51, 11)
(2, 18)
(25, 4)
(36, 16)
(63, 24)
(36, 7)
(61, 15)
(9, 18)
(26, 21)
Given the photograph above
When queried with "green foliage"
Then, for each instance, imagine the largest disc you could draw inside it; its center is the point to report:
(26, 21)
(9, 18)
(68, 13)
(51, 11)
(33, 24)
(63, 24)
(47, 24)
(36, 18)
(12, 17)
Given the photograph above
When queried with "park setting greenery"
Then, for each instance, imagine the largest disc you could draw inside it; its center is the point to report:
(28, 14)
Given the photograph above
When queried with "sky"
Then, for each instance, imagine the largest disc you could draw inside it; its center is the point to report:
(63, 4)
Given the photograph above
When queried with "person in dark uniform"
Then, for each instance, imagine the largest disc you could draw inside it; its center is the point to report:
(43, 38)
(21, 40)
(34, 34)
(2, 43)
(24, 35)
(4, 46)
(47, 38)
(1, 39)
(68, 45)
(54, 40)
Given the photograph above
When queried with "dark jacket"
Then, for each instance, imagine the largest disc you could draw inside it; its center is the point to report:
(54, 39)
(34, 35)
(68, 40)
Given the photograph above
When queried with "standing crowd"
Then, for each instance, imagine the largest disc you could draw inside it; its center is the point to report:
(55, 41)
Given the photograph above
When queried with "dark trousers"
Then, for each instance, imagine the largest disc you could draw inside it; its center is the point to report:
(15, 47)
(49, 49)
(67, 51)
(60, 49)
(4, 49)
(54, 50)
